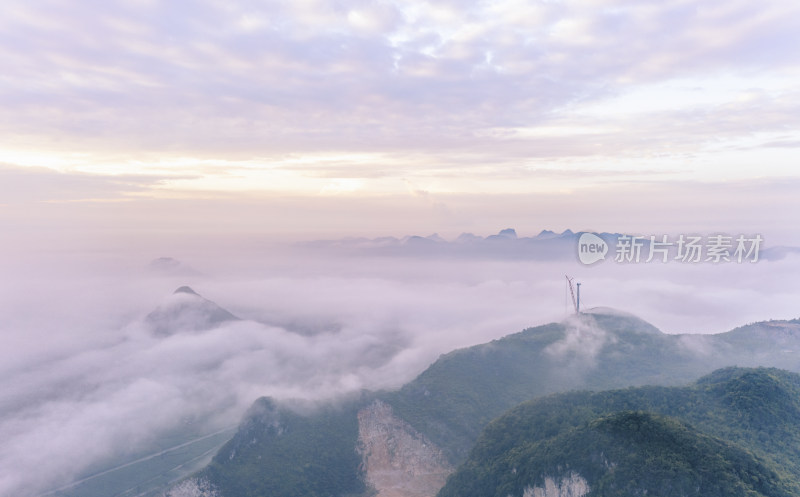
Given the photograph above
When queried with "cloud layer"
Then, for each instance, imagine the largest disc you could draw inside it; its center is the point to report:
(454, 86)
(85, 380)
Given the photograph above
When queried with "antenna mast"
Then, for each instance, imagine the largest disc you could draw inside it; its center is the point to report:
(576, 303)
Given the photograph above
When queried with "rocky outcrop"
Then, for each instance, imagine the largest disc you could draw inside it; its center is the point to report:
(572, 485)
(192, 487)
(398, 460)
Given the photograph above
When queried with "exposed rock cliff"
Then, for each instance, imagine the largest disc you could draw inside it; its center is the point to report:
(398, 460)
(573, 485)
(192, 487)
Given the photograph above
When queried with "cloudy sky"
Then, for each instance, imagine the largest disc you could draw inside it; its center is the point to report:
(130, 117)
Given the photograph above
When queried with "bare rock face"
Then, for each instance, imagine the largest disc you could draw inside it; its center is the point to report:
(572, 485)
(192, 487)
(398, 460)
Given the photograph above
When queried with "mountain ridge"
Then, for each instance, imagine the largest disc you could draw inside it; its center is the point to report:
(547, 245)
(722, 412)
(451, 402)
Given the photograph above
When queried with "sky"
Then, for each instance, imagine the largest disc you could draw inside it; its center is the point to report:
(227, 134)
(302, 118)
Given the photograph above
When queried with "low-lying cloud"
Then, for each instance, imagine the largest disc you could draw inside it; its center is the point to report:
(86, 380)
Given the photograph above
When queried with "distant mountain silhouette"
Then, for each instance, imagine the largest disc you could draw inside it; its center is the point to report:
(186, 311)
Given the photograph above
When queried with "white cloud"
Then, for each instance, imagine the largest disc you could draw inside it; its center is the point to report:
(225, 79)
(84, 381)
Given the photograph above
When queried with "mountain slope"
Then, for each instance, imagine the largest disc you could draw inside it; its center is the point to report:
(280, 452)
(735, 432)
(186, 310)
(455, 397)
(451, 402)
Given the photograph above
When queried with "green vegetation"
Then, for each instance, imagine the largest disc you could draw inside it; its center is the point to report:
(280, 452)
(460, 393)
(733, 433)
